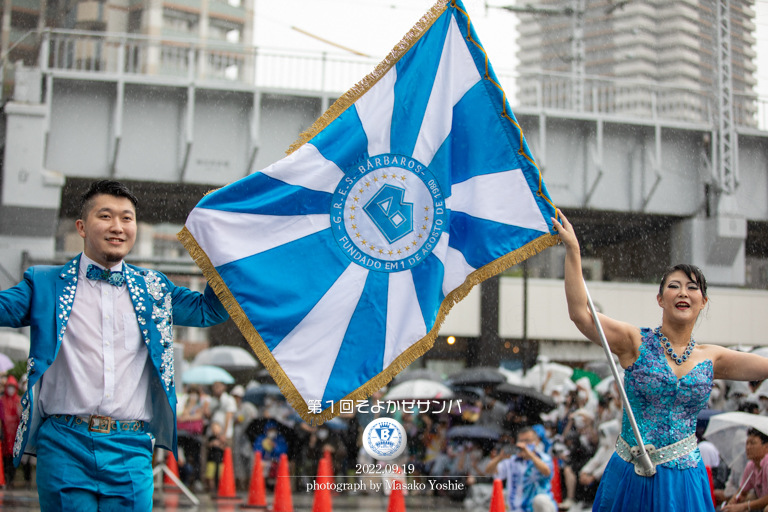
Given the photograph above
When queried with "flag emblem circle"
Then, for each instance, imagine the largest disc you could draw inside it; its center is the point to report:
(388, 213)
(384, 439)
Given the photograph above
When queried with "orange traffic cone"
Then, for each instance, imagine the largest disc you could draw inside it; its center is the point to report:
(2, 474)
(322, 501)
(227, 479)
(557, 485)
(497, 498)
(396, 498)
(283, 499)
(327, 456)
(171, 502)
(173, 467)
(257, 492)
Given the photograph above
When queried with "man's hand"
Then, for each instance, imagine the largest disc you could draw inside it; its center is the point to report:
(736, 504)
(586, 479)
(524, 450)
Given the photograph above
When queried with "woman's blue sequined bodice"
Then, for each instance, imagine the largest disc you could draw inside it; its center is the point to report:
(665, 407)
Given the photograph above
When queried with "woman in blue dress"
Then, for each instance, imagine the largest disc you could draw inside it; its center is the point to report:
(668, 377)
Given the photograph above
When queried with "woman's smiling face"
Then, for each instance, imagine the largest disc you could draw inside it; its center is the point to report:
(682, 298)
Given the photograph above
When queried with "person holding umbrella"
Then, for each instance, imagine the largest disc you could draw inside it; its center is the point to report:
(668, 377)
(755, 477)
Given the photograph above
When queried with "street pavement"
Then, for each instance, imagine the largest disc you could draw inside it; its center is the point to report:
(12, 500)
(26, 500)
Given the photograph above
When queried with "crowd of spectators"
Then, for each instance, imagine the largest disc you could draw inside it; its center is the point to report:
(569, 445)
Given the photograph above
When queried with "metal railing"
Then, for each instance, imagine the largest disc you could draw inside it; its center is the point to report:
(613, 96)
(193, 60)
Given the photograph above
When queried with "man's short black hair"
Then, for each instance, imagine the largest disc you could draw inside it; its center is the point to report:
(108, 187)
(757, 433)
(525, 430)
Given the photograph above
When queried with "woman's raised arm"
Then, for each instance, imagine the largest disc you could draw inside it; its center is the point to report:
(623, 338)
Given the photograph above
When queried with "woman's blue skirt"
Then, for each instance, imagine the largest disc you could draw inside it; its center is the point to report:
(669, 490)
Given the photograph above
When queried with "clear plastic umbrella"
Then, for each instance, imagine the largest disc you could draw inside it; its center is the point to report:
(205, 374)
(728, 432)
(225, 356)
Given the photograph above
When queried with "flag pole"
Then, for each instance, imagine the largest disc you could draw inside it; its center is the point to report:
(645, 460)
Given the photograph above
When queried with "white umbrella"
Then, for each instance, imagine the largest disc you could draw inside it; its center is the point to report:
(604, 386)
(728, 432)
(536, 377)
(226, 356)
(5, 363)
(14, 345)
(419, 389)
(513, 376)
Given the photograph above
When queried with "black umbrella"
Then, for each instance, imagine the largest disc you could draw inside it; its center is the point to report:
(468, 393)
(263, 376)
(527, 400)
(481, 376)
(257, 427)
(472, 432)
(257, 395)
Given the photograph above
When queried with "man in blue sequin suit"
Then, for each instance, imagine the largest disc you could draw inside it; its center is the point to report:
(101, 379)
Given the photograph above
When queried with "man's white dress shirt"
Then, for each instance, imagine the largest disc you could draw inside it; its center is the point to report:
(102, 366)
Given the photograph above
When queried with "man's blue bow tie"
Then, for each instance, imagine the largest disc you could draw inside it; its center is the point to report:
(99, 274)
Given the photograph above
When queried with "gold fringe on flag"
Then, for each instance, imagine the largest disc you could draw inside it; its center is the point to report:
(416, 350)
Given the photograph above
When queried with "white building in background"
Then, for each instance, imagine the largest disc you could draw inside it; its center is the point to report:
(671, 42)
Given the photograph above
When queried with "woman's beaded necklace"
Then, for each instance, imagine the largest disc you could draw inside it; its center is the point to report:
(669, 350)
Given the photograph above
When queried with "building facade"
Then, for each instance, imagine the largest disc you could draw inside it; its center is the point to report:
(674, 43)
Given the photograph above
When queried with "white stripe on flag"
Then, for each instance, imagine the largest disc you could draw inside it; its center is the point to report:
(375, 112)
(307, 168)
(239, 235)
(308, 352)
(455, 266)
(503, 197)
(456, 74)
(405, 323)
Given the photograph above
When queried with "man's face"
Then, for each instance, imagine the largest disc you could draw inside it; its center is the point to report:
(218, 388)
(108, 229)
(756, 450)
(529, 437)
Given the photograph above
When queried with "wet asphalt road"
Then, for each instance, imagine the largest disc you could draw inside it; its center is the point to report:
(26, 500)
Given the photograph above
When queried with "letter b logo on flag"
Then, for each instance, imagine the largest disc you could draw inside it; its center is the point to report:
(390, 213)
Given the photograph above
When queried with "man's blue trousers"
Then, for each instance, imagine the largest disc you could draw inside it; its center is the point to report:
(81, 471)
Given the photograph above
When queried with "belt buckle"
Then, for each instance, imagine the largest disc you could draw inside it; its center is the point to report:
(639, 469)
(100, 424)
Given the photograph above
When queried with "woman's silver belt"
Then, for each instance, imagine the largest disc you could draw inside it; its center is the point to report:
(661, 455)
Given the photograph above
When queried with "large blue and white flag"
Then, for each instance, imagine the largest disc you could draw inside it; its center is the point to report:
(339, 262)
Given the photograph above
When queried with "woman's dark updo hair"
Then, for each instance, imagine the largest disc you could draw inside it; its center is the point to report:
(693, 272)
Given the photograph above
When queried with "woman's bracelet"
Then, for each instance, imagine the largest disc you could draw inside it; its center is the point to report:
(748, 507)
